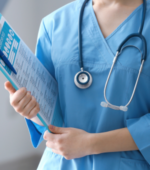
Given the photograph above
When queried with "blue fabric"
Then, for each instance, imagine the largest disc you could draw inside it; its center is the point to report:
(140, 129)
(57, 49)
(35, 134)
(41, 129)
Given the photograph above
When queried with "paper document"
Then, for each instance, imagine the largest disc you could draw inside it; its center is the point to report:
(30, 74)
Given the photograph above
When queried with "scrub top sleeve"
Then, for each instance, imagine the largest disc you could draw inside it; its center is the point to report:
(139, 129)
(43, 53)
(36, 132)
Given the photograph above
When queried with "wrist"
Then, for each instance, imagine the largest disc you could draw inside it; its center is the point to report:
(37, 120)
(94, 143)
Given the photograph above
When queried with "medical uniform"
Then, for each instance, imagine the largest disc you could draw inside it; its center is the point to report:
(57, 49)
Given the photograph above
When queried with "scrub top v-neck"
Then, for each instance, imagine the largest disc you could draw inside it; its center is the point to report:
(57, 49)
(97, 37)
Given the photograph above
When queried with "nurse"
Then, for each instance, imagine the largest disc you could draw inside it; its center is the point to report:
(93, 137)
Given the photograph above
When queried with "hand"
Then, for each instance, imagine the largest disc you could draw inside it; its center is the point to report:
(22, 101)
(68, 142)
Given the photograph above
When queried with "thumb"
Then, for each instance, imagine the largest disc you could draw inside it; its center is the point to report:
(9, 87)
(57, 130)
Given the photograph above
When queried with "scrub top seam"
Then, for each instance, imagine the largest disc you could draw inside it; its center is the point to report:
(129, 70)
(89, 30)
(95, 22)
(50, 42)
(119, 163)
(101, 53)
(142, 162)
(46, 32)
(125, 21)
(62, 107)
(104, 43)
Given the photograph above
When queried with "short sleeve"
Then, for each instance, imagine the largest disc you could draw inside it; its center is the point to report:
(43, 53)
(139, 129)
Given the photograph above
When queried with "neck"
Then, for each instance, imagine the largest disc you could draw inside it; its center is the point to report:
(120, 2)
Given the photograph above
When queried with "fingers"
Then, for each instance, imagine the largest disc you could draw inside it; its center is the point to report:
(9, 87)
(34, 111)
(22, 101)
(17, 96)
(53, 140)
(56, 151)
(31, 109)
(28, 106)
(49, 136)
(56, 143)
(57, 130)
(51, 145)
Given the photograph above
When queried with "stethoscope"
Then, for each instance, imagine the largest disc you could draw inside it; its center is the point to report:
(83, 79)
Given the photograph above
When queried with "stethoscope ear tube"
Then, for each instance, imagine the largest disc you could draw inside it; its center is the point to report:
(119, 51)
(123, 108)
(143, 57)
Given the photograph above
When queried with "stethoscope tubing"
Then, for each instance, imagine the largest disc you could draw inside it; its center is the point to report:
(135, 86)
(143, 17)
(119, 51)
(143, 42)
(79, 32)
(81, 84)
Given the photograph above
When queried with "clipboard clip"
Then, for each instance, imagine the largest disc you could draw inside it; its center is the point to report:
(7, 62)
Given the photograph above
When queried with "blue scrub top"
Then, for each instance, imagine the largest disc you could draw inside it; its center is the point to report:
(57, 49)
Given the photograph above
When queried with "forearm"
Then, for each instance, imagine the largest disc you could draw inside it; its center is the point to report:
(112, 141)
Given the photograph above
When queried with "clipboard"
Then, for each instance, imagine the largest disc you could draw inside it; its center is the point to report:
(19, 65)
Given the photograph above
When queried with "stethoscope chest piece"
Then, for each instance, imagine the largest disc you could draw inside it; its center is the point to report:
(83, 79)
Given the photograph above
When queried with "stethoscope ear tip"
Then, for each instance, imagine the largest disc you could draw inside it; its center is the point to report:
(104, 104)
(124, 108)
